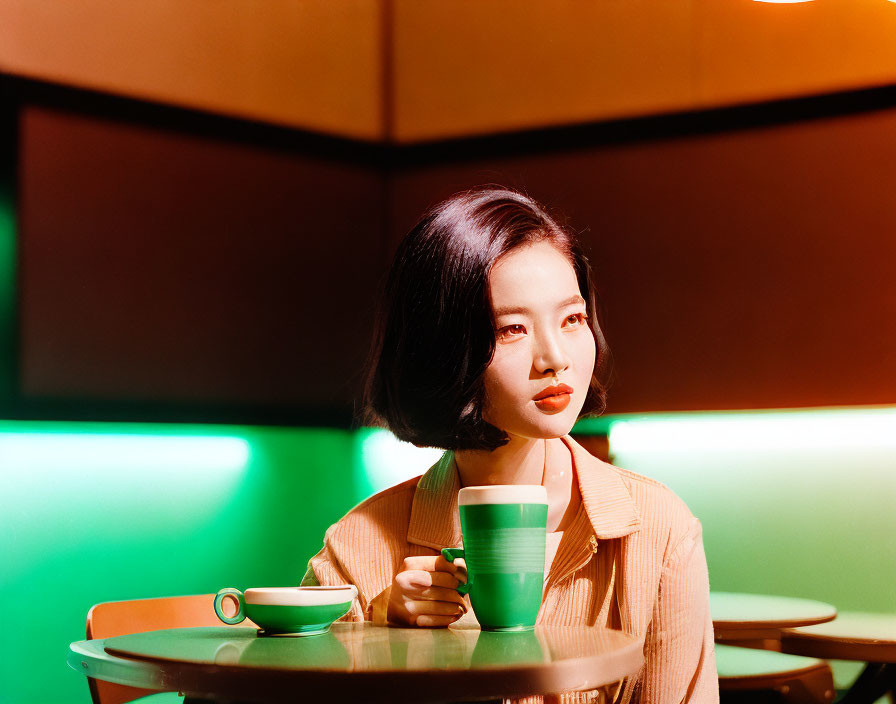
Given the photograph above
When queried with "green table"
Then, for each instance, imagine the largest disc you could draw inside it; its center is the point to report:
(758, 617)
(866, 637)
(361, 662)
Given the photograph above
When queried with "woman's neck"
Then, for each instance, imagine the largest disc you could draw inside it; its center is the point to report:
(527, 461)
(520, 461)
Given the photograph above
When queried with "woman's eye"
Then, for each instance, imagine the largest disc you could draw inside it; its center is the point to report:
(577, 319)
(511, 331)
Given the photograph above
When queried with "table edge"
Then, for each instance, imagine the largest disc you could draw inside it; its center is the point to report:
(581, 673)
(838, 647)
(769, 624)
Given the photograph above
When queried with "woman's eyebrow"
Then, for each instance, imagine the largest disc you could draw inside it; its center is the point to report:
(520, 309)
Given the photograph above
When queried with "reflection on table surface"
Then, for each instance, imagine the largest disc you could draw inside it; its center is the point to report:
(363, 647)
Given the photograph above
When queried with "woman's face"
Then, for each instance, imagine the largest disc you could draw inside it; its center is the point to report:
(541, 329)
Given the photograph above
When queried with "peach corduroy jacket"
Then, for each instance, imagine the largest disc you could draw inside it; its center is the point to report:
(632, 559)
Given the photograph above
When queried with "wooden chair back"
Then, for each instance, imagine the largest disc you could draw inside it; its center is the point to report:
(118, 618)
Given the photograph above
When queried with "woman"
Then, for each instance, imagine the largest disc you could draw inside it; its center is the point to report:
(487, 345)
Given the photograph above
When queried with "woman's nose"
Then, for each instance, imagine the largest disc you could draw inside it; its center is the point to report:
(550, 355)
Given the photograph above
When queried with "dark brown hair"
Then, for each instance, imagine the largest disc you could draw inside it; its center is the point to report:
(435, 331)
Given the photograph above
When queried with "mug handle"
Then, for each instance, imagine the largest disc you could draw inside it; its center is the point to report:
(241, 605)
(451, 554)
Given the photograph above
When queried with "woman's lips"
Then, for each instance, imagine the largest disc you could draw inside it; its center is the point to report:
(552, 390)
(554, 403)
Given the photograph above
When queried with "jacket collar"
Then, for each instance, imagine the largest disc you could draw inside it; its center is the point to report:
(435, 521)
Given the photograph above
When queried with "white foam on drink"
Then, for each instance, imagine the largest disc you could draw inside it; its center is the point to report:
(300, 596)
(502, 494)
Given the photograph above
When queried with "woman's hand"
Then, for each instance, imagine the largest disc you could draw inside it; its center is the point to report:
(424, 592)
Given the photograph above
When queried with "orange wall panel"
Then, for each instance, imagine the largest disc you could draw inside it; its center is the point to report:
(471, 67)
(752, 51)
(311, 64)
(416, 70)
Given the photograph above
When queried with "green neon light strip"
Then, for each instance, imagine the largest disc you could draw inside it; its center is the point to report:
(384, 460)
(117, 447)
(816, 429)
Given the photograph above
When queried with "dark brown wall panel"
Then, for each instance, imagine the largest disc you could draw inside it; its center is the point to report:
(166, 266)
(746, 269)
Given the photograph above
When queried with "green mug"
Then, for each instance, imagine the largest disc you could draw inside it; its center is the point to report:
(304, 611)
(504, 528)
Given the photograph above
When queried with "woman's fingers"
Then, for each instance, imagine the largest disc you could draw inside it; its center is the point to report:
(440, 594)
(416, 581)
(460, 569)
(444, 579)
(434, 564)
(433, 608)
(416, 585)
(428, 621)
(424, 592)
(420, 579)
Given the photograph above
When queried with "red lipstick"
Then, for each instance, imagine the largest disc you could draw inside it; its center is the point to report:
(553, 391)
(553, 398)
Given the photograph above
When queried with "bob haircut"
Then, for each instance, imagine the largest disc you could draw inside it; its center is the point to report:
(434, 335)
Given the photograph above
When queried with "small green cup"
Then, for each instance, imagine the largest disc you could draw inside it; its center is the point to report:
(504, 528)
(303, 611)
